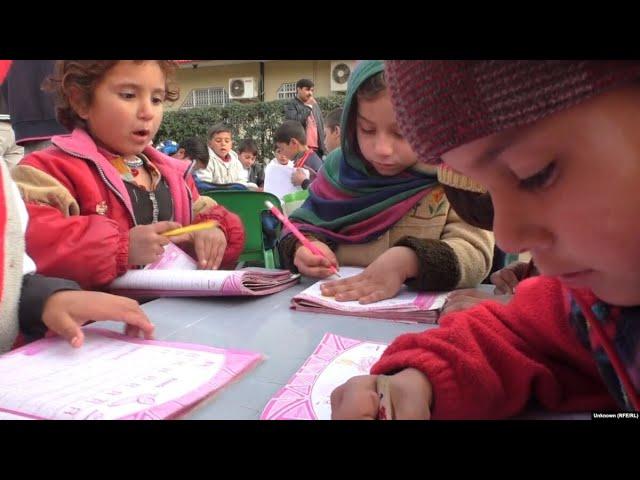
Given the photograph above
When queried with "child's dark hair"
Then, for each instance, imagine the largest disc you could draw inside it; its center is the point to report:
(248, 145)
(85, 75)
(196, 149)
(370, 89)
(219, 128)
(304, 83)
(288, 130)
(333, 119)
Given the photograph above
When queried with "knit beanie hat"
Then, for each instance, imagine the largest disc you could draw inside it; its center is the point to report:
(450, 177)
(442, 104)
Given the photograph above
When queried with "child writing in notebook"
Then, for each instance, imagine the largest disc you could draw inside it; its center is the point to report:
(100, 198)
(373, 205)
(555, 143)
(31, 304)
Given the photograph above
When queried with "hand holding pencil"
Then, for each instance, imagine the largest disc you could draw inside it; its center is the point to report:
(209, 243)
(318, 261)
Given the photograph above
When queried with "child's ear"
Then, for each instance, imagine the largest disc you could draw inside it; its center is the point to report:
(78, 103)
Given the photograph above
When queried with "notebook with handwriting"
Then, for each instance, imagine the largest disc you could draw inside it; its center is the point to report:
(175, 275)
(409, 306)
(113, 376)
(307, 395)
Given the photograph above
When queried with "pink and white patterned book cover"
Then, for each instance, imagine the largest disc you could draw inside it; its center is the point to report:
(113, 376)
(176, 274)
(406, 306)
(334, 361)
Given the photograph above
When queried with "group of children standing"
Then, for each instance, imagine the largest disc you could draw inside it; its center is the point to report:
(421, 158)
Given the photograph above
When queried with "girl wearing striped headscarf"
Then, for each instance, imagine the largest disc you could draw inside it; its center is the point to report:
(373, 205)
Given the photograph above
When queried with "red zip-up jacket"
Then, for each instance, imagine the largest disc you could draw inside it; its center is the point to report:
(487, 362)
(80, 211)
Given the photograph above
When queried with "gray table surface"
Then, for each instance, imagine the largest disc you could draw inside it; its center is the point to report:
(268, 326)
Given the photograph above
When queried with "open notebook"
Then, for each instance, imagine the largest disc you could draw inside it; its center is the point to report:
(307, 396)
(175, 275)
(113, 376)
(407, 306)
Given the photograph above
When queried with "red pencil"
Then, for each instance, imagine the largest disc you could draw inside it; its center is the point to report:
(304, 240)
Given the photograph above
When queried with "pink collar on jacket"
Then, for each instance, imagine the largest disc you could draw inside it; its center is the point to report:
(80, 144)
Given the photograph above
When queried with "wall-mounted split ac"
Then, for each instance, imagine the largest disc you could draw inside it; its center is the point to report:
(242, 88)
(340, 74)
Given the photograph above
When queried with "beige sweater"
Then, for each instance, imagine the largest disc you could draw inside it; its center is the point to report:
(12, 263)
(432, 218)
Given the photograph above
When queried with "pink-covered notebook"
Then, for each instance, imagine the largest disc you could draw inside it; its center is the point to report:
(175, 274)
(113, 376)
(308, 393)
(406, 306)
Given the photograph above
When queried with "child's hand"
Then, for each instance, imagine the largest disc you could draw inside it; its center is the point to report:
(298, 177)
(468, 297)
(209, 246)
(506, 279)
(311, 265)
(357, 399)
(382, 279)
(64, 312)
(146, 242)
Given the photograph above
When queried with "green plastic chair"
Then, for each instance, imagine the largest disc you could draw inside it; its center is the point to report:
(249, 206)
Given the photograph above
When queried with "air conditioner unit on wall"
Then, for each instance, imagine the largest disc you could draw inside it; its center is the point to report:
(242, 88)
(340, 73)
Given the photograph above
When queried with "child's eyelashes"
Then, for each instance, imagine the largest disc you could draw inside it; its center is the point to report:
(156, 100)
(544, 178)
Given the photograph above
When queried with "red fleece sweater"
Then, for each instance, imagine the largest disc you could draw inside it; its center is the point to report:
(488, 361)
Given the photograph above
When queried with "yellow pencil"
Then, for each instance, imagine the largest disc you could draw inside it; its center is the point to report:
(191, 228)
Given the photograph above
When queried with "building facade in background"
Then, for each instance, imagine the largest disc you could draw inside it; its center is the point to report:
(219, 82)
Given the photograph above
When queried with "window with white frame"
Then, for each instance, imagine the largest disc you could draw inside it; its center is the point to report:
(287, 90)
(204, 97)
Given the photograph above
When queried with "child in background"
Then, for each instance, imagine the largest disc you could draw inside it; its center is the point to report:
(280, 158)
(291, 140)
(195, 150)
(332, 131)
(31, 303)
(555, 143)
(224, 166)
(253, 171)
(373, 205)
(100, 198)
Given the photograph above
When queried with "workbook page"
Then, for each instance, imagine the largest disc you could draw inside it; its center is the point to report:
(113, 377)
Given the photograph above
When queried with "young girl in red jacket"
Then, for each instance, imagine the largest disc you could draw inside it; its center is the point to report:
(556, 144)
(31, 304)
(100, 198)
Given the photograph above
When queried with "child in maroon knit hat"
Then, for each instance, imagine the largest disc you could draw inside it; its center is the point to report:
(556, 144)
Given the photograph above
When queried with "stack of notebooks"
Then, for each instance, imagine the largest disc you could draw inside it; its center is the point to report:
(176, 275)
(421, 307)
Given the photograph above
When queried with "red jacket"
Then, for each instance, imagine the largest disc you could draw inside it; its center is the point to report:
(489, 360)
(91, 246)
